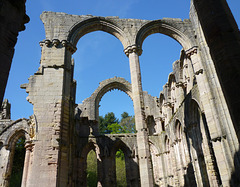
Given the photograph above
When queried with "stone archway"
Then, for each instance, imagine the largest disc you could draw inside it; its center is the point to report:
(174, 28)
(9, 138)
(97, 24)
(90, 106)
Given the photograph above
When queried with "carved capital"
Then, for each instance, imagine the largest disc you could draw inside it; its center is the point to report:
(185, 66)
(199, 72)
(169, 104)
(158, 119)
(191, 51)
(179, 84)
(133, 49)
(29, 146)
(58, 44)
(220, 138)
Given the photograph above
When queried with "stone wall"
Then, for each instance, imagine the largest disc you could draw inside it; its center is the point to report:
(185, 137)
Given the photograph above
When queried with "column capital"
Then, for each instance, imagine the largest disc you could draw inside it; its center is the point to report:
(29, 145)
(58, 44)
(133, 49)
(181, 84)
(193, 50)
(159, 119)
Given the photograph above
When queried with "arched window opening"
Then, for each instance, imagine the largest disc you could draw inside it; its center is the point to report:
(18, 162)
(199, 144)
(92, 178)
(120, 169)
(116, 114)
(156, 61)
(99, 57)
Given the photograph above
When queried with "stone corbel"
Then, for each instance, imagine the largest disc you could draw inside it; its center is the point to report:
(220, 138)
(158, 119)
(133, 48)
(199, 72)
(191, 51)
(29, 146)
(58, 44)
(169, 104)
(181, 84)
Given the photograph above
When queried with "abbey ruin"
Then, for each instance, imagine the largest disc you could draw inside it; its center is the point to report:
(188, 136)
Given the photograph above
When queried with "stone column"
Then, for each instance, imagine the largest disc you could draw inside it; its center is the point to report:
(180, 93)
(28, 147)
(50, 93)
(145, 167)
(158, 121)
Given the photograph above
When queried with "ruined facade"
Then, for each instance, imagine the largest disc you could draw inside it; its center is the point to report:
(188, 136)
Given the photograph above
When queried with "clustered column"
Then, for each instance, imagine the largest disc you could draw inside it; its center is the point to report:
(146, 176)
(29, 147)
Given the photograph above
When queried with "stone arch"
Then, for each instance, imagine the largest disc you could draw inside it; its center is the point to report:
(96, 24)
(91, 146)
(119, 144)
(181, 154)
(199, 148)
(194, 111)
(111, 84)
(171, 87)
(167, 143)
(173, 28)
(90, 106)
(178, 129)
(82, 163)
(157, 164)
(9, 137)
(14, 131)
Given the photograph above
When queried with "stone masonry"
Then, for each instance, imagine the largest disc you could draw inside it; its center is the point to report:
(188, 136)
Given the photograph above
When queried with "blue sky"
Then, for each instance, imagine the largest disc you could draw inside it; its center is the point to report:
(100, 55)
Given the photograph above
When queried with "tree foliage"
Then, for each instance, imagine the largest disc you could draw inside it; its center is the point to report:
(109, 124)
(128, 123)
(92, 169)
(108, 119)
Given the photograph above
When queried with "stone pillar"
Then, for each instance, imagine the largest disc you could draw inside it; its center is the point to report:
(145, 167)
(180, 93)
(158, 121)
(28, 147)
(50, 93)
(4, 173)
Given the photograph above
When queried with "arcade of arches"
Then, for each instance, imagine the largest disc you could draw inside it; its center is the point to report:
(185, 137)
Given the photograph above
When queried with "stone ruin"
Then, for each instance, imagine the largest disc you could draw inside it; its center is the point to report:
(185, 137)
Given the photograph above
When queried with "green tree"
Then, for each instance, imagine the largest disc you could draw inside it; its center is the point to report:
(127, 123)
(92, 169)
(120, 169)
(109, 124)
(115, 128)
(108, 119)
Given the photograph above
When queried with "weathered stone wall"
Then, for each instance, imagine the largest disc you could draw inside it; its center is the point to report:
(186, 137)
